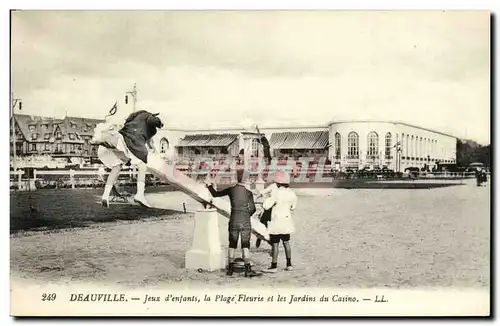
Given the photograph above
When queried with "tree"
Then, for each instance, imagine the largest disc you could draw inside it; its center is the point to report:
(469, 152)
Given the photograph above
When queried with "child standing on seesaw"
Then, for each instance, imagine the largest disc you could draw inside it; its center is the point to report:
(242, 209)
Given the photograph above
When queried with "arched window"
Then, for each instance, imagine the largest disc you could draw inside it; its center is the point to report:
(421, 150)
(338, 149)
(388, 145)
(353, 145)
(255, 148)
(402, 146)
(372, 144)
(164, 145)
(417, 148)
(412, 149)
(407, 151)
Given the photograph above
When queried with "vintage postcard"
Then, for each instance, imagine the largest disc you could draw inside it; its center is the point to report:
(250, 163)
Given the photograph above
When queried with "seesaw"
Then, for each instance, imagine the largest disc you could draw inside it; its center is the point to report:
(199, 192)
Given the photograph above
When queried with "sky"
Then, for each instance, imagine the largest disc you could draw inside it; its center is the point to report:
(216, 69)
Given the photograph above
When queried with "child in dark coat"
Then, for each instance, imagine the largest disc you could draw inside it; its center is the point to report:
(242, 209)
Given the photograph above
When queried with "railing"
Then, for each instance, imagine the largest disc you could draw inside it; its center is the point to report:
(75, 178)
(72, 178)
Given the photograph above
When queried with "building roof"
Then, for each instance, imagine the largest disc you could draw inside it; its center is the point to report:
(45, 128)
(277, 139)
(211, 140)
(299, 140)
(305, 126)
(393, 122)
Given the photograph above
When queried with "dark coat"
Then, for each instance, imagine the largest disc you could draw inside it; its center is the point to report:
(242, 205)
(138, 130)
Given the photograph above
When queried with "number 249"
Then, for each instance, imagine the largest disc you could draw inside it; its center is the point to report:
(49, 297)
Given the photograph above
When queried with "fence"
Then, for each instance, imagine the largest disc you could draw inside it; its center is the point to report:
(71, 178)
(95, 178)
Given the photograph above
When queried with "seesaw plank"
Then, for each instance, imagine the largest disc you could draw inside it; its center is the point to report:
(199, 192)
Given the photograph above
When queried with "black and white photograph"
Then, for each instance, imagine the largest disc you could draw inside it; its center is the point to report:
(250, 163)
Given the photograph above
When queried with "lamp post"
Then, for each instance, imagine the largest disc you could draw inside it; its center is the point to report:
(134, 97)
(398, 157)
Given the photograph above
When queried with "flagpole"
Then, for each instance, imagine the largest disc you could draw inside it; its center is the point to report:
(134, 97)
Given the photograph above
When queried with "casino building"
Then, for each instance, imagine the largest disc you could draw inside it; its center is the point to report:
(349, 144)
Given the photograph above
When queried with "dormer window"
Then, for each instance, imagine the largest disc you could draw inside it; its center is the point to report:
(72, 136)
(32, 128)
(73, 125)
(46, 136)
(45, 126)
(34, 136)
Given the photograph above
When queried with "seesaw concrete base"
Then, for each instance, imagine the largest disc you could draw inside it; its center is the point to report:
(205, 252)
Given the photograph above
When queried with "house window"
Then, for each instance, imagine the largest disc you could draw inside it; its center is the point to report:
(34, 136)
(338, 149)
(46, 136)
(45, 126)
(32, 128)
(71, 147)
(388, 145)
(58, 147)
(224, 150)
(47, 147)
(353, 145)
(33, 147)
(196, 151)
(373, 144)
(72, 136)
(180, 150)
(58, 135)
(73, 125)
(164, 145)
(211, 151)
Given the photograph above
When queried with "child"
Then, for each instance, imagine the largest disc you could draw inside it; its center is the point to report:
(242, 208)
(281, 225)
(266, 215)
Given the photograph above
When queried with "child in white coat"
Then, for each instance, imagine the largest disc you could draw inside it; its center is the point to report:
(282, 201)
(266, 215)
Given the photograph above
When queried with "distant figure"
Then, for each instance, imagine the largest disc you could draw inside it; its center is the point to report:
(481, 177)
(242, 208)
(283, 202)
(267, 148)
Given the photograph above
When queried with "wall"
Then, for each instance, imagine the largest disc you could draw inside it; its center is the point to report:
(436, 145)
(173, 136)
(443, 146)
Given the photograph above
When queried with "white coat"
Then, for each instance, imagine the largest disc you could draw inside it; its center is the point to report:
(269, 190)
(283, 201)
